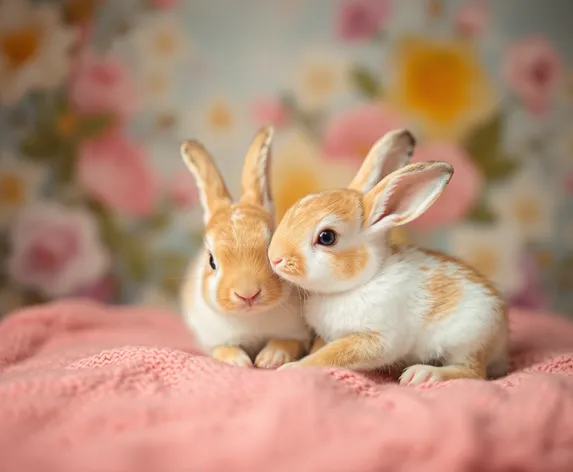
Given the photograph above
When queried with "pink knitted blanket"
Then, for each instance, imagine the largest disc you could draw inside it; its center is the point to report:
(89, 388)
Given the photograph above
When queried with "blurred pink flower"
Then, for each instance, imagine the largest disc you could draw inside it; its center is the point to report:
(270, 110)
(471, 19)
(164, 3)
(568, 183)
(533, 69)
(84, 31)
(183, 190)
(101, 84)
(56, 249)
(532, 294)
(113, 169)
(362, 19)
(463, 191)
(102, 290)
(350, 135)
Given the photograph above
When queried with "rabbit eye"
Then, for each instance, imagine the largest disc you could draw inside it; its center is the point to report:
(212, 262)
(326, 237)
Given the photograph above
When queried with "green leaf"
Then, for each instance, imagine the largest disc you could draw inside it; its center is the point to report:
(38, 146)
(160, 221)
(135, 256)
(95, 125)
(482, 213)
(483, 145)
(65, 162)
(484, 139)
(131, 249)
(366, 82)
(499, 168)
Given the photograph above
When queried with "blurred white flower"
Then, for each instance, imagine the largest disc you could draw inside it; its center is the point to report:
(155, 49)
(492, 250)
(527, 204)
(34, 48)
(321, 76)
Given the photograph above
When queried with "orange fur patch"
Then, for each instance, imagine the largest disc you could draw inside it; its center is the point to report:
(461, 272)
(475, 368)
(464, 270)
(348, 263)
(445, 292)
(357, 350)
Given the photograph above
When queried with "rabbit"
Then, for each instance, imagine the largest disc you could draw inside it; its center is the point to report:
(238, 308)
(380, 305)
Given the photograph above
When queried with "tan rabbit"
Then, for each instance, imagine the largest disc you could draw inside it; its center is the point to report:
(377, 304)
(239, 309)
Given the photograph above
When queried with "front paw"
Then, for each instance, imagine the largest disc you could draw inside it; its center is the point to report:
(420, 373)
(240, 360)
(272, 357)
(232, 355)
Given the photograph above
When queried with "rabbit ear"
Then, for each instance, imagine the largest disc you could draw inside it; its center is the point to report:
(405, 194)
(213, 192)
(255, 181)
(389, 153)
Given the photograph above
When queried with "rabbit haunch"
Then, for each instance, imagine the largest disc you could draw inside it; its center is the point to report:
(376, 304)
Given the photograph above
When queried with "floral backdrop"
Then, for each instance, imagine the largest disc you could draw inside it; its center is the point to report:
(95, 97)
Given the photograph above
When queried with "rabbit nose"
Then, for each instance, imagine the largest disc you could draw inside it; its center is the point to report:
(248, 298)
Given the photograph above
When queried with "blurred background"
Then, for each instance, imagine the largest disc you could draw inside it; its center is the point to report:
(95, 97)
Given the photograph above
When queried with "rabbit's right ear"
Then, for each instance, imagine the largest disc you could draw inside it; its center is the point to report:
(213, 192)
(405, 194)
(388, 154)
(255, 180)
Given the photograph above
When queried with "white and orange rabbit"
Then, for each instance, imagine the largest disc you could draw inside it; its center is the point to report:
(375, 304)
(238, 308)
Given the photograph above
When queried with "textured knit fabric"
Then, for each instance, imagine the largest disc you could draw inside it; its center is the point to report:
(89, 388)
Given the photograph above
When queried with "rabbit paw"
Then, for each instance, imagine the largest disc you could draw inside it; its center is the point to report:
(272, 357)
(233, 356)
(420, 373)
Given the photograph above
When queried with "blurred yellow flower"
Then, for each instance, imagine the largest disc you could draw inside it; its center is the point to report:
(442, 84)
(298, 170)
(220, 116)
(19, 185)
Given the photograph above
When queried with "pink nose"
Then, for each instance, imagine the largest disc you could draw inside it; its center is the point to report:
(276, 262)
(248, 299)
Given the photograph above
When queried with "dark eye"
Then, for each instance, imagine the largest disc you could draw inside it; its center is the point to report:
(212, 262)
(326, 237)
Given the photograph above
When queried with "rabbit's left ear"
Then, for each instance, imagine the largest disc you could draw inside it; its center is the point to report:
(256, 180)
(405, 194)
(388, 154)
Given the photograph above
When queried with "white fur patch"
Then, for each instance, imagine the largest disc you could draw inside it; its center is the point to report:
(396, 304)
